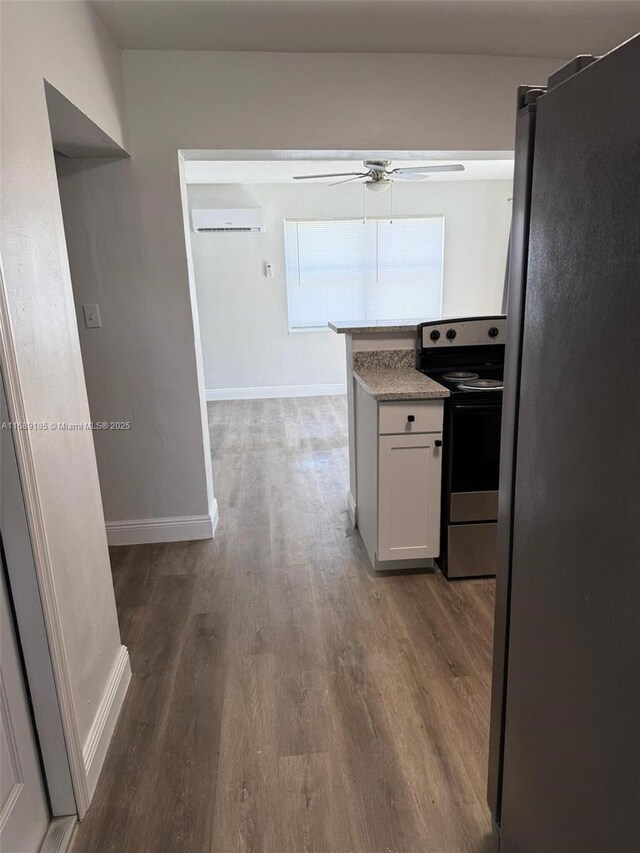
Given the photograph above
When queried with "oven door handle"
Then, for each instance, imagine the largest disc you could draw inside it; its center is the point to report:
(476, 406)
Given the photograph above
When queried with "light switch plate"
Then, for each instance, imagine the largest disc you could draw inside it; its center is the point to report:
(92, 316)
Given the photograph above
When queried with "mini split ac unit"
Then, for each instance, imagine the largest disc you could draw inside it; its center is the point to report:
(248, 219)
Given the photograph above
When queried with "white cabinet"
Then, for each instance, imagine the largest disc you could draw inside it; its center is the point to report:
(399, 472)
(409, 472)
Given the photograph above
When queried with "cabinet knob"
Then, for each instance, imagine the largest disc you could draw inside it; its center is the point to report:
(437, 442)
(411, 418)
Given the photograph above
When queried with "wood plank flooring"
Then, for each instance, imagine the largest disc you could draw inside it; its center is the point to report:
(284, 699)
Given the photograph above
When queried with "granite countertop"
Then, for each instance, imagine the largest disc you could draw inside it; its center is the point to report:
(348, 328)
(399, 383)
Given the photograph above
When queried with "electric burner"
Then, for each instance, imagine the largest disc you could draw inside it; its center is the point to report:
(479, 384)
(459, 376)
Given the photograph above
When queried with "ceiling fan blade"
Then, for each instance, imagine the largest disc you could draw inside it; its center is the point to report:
(336, 175)
(427, 170)
(346, 181)
(407, 176)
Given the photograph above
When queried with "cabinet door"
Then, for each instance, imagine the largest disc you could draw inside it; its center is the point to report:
(409, 476)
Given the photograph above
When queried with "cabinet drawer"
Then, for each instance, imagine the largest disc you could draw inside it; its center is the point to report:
(394, 418)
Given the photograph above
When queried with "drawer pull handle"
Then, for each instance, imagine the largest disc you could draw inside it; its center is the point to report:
(411, 418)
(437, 442)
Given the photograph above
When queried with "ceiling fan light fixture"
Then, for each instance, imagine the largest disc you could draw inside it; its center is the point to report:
(378, 186)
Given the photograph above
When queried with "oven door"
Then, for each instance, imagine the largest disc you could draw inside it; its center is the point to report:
(475, 446)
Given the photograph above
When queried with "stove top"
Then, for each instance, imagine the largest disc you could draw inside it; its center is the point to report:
(466, 355)
(459, 376)
(480, 384)
(480, 380)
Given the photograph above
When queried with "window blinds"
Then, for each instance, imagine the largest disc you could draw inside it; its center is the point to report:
(373, 271)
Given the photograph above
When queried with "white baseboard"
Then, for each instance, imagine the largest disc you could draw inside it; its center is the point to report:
(351, 509)
(269, 391)
(99, 737)
(140, 531)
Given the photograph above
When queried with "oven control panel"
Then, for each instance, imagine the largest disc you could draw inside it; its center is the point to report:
(466, 332)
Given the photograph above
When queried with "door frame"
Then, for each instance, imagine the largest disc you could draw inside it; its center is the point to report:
(49, 611)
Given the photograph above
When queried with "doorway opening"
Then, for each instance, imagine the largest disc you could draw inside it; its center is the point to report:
(264, 335)
(93, 179)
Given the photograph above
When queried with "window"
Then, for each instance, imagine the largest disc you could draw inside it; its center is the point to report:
(363, 272)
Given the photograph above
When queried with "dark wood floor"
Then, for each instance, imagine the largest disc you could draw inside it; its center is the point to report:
(285, 700)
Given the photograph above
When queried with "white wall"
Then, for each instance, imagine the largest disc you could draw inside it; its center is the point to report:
(188, 100)
(233, 292)
(224, 100)
(64, 44)
(201, 100)
(208, 99)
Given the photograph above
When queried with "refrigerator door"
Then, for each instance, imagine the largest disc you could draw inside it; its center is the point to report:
(571, 767)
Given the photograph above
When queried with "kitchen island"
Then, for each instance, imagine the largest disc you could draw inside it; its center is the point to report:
(377, 346)
(395, 435)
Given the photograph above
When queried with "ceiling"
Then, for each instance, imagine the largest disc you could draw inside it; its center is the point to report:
(538, 28)
(282, 172)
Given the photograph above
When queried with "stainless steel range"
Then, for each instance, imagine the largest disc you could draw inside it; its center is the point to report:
(467, 356)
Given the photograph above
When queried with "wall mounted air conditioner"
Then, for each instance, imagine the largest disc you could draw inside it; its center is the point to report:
(224, 219)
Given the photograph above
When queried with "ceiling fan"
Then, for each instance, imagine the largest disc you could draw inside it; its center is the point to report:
(378, 177)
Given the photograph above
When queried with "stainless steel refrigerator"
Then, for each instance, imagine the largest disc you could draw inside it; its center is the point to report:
(564, 774)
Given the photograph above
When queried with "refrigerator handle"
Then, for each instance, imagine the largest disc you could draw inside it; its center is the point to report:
(514, 303)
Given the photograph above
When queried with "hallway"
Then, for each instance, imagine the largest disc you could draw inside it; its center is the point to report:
(283, 699)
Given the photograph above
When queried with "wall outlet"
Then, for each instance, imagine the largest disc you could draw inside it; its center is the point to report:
(268, 270)
(92, 316)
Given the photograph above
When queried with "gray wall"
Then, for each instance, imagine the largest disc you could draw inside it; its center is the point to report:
(133, 373)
